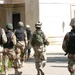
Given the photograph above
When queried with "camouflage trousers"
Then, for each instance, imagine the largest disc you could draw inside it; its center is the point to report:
(40, 58)
(9, 54)
(71, 64)
(1, 55)
(20, 51)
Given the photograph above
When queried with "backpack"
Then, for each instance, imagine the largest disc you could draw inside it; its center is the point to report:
(37, 38)
(71, 42)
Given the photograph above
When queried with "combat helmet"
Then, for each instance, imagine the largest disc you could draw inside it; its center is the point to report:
(38, 24)
(27, 26)
(9, 26)
(20, 24)
(72, 23)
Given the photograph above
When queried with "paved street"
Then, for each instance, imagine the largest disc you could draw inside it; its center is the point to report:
(56, 63)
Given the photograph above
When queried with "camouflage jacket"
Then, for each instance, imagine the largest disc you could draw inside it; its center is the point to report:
(4, 38)
(64, 47)
(33, 42)
(25, 38)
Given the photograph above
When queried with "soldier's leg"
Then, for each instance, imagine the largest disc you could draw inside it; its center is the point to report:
(37, 65)
(71, 67)
(18, 53)
(42, 73)
(41, 69)
(73, 73)
(16, 68)
(22, 55)
(6, 59)
(15, 63)
(42, 61)
(29, 50)
(1, 55)
(37, 68)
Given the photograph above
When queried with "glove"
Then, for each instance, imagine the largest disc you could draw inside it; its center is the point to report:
(46, 42)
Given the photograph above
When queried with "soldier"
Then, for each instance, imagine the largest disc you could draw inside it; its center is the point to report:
(38, 45)
(28, 38)
(9, 52)
(68, 46)
(3, 39)
(21, 43)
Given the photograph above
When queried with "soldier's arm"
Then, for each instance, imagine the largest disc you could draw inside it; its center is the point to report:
(4, 38)
(64, 44)
(46, 42)
(13, 38)
(32, 42)
(15, 31)
(26, 41)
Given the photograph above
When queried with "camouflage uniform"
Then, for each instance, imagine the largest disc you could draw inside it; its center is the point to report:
(9, 52)
(39, 52)
(71, 57)
(40, 58)
(4, 40)
(20, 48)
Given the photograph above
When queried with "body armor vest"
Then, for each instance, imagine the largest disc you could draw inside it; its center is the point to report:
(71, 42)
(20, 34)
(28, 33)
(9, 43)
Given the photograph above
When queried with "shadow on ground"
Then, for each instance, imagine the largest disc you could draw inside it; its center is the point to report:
(56, 58)
(52, 58)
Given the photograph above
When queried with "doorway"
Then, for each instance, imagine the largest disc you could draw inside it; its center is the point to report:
(16, 19)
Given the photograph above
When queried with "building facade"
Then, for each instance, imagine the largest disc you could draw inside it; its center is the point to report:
(55, 16)
(14, 11)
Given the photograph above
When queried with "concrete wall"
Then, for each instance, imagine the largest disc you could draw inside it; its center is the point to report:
(55, 16)
(13, 1)
(29, 11)
(52, 16)
(2, 18)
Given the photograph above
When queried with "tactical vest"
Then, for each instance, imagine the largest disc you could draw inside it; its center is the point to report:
(20, 34)
(9, 43)
(0, 36)
(71, 42)
(28, 33)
